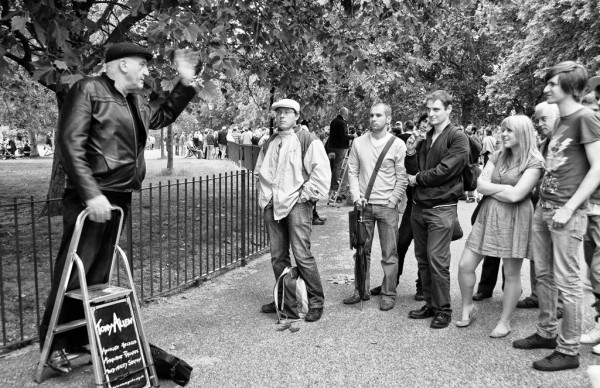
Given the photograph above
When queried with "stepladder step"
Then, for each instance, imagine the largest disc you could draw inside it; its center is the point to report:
(100, 293)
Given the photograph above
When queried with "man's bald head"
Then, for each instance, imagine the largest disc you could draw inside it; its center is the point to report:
(344, 112)
(546, 115)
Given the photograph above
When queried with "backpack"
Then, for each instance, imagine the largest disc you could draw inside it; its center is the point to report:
(471, 171)
(170, 367)
(289, 294)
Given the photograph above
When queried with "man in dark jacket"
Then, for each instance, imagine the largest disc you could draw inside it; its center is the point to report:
(101, 138)
(338, 143)
(435, 172)
(222, 139)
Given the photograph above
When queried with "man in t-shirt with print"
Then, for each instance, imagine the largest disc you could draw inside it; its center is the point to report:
(559, 221)
(381, 205)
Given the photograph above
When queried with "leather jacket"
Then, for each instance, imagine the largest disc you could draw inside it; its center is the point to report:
(100, 141)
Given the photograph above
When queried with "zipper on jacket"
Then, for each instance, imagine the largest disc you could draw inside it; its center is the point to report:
(134, 138)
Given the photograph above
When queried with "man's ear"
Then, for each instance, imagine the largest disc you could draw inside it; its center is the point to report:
(449, 109)
(123, 65)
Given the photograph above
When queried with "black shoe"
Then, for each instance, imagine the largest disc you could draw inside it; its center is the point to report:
(462, 198)
(479, 296)
(314, 314)
(527, 303)
(318, 221)
(556, 361)
(535, 341)
(419, 296)
(269, 308)
(322, 218)
(376, 291)
(422, 313)
(441, 320)
(354, 299)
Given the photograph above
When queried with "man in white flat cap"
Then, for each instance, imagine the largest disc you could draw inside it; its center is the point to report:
(293, 174)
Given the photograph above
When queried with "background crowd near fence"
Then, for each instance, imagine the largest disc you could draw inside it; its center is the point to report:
(178, 234)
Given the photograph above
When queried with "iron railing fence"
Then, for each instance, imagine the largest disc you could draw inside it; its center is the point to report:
(243, 155)
(178, 234)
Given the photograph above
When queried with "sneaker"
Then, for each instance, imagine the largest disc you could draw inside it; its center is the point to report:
(386, 304)
(557, 361)
(528, 303)
(535, 341)
(269, 308)
(314, 314)
(592, 336)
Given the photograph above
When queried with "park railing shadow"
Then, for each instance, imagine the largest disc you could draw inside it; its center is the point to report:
(179, 234)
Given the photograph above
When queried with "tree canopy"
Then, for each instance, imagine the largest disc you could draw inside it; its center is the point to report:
(490, 54)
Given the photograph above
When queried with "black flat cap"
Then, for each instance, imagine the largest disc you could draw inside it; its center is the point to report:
(126, 49)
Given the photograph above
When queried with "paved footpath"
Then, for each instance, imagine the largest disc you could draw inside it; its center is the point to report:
(218, 329)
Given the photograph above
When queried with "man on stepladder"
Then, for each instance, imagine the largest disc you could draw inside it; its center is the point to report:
(101, 138)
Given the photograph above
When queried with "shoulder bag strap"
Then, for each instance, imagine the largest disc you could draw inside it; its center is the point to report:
(377, 166)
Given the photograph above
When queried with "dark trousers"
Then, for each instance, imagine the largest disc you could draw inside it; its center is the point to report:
(96, 247)
(337, 167)
(432, 232)
(489, 275)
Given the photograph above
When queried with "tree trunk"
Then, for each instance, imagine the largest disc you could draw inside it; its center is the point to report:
(162, 143)
(272, 100)
(467, 110)
(170, 149)
(58, 176)
(33, 143)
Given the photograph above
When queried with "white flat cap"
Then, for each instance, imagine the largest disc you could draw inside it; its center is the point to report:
(286, 103)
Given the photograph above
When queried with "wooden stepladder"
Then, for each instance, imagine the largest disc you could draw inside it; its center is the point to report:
(119, 350)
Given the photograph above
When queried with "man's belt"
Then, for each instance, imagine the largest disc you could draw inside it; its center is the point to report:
(549, 205)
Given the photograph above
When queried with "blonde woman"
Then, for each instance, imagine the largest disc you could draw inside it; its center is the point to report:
(503, 224)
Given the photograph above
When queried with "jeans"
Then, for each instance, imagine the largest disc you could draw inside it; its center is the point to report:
(337, 166)
(556, 257)
(294, 231)
(591, 251)
(432, 230)
(386, 219)
(96, 252)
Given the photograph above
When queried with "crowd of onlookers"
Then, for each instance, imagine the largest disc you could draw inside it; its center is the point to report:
(212, 144)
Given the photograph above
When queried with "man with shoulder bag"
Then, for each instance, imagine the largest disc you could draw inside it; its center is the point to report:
(377, 183)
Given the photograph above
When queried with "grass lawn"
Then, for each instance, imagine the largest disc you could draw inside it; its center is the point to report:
(23, 178)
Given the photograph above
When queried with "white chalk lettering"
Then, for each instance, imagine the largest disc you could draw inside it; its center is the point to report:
(104, 351)
(113, 359)
(126, 344)
(117, 324)
(115, 369)
(135, 361)
(128, 382)
(129, 354)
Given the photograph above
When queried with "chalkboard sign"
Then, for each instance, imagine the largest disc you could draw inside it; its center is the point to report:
(119, 345)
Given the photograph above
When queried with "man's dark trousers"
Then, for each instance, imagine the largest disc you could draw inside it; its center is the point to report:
(432, 231)
(489, 275)
(95, 249)
(337, 167)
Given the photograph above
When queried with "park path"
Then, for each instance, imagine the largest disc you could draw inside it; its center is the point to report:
(218, 329)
